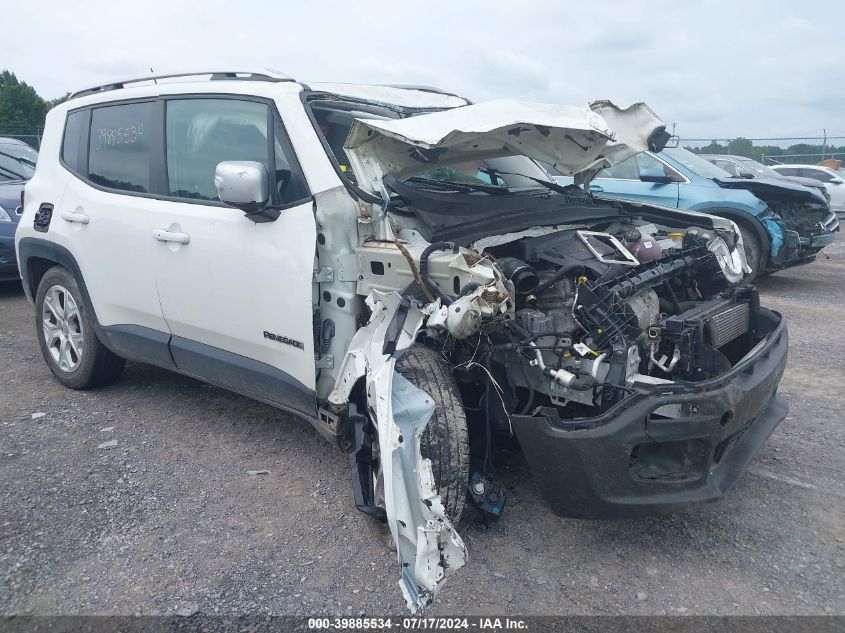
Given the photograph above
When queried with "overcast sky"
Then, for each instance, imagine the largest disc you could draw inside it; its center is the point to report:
(754, 67)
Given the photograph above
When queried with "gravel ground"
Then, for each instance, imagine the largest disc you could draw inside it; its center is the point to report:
(169, 518)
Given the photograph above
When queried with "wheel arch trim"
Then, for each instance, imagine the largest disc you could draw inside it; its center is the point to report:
(31, 249)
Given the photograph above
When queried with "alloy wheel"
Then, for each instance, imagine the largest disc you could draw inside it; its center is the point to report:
(62, 327)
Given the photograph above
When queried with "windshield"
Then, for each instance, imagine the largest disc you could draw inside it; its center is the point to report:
(759, 168)
(695, 163)
(17, 161)
(504, 173)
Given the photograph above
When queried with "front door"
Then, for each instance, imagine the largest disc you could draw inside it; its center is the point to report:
(623, 181)
(237, 294)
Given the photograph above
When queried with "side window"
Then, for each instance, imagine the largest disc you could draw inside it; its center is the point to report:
(72, 140)
(200, 133)
(729, 166)
(290, 185)
(788, 171)
(650, 163)
(119, 154)
(626, 170)
(818, 174)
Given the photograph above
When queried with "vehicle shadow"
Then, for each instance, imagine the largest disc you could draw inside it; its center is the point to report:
(236, 420)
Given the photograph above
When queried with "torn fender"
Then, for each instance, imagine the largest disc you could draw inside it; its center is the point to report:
(428, 546)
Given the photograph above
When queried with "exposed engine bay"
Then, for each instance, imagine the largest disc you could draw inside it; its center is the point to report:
(578, 317)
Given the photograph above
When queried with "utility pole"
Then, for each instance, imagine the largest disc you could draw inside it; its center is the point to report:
(824, 143)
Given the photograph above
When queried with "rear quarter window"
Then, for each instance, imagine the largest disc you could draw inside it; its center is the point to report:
(119, 146)
(72, 140)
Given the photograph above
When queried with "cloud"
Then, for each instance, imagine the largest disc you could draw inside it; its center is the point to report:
(754, 68)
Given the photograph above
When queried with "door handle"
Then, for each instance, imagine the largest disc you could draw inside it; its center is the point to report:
(163, 235)
(596, 188)
(75, 218)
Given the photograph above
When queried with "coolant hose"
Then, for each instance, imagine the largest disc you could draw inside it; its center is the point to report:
(436, 291)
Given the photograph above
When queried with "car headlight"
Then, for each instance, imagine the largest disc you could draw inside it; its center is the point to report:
(730, 261)
(4, 215)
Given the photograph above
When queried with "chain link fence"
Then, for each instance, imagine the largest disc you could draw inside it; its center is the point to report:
(31, 136)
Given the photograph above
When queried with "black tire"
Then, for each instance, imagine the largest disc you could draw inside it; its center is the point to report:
(96, 366)
(445, 440)
(753, 252)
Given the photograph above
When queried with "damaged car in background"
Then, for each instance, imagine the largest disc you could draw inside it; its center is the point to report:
(783, 224)
(460, 298)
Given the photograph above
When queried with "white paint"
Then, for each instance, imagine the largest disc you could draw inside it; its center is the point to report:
(424, 535)
(573, 139)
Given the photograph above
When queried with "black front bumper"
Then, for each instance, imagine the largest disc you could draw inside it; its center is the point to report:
(635, 460)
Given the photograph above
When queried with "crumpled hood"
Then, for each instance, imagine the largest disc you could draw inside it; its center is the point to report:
(774, 189)
(578, 141)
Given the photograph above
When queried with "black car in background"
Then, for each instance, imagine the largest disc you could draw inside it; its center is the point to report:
(17, 164)
(743, 167)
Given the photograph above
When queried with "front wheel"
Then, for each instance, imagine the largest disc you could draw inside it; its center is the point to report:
(753, 252)
(445, 440)
(66, 335)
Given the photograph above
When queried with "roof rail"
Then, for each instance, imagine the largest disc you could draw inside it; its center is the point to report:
(262, 75)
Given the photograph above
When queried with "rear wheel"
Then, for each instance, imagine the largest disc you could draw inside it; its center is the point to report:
(445, 440)
(66, 335)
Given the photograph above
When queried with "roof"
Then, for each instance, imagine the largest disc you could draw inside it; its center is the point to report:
(799, 165)
(411, 96)
(729, 156)
(264, 74)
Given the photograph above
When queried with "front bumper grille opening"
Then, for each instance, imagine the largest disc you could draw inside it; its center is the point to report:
(680, 461)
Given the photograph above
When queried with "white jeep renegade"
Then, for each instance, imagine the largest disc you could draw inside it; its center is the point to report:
(395, 265)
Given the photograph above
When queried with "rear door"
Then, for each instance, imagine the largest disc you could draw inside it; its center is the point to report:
(104, 219)
(237, 294)
(623, 181)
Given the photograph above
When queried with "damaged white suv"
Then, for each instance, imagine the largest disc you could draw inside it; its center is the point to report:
(394, 265)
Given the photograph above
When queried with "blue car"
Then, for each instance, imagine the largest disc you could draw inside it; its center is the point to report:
(783, 224)
(17, 164)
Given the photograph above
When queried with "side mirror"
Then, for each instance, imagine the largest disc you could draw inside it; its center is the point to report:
(243, 184)
(656, 175)
(837, 181)
(747, 175)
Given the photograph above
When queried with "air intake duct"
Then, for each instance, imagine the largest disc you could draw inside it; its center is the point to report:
(523, 276)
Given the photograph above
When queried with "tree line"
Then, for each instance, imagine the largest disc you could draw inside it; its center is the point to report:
(744, 147)
(21, 107)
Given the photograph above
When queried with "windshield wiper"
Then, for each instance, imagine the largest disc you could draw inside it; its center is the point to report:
(20, 159)
(459, 187)
(553, 186)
